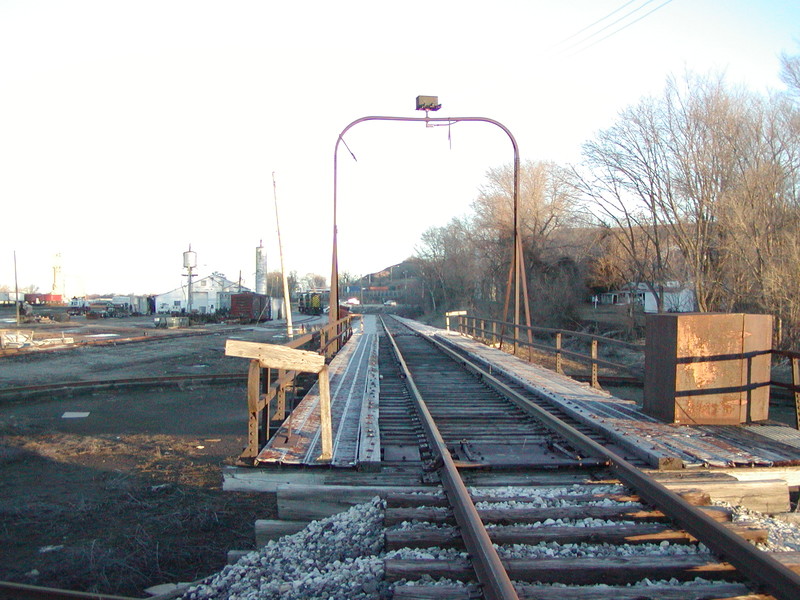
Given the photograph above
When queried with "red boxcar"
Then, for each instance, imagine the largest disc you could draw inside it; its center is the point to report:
(249, 307)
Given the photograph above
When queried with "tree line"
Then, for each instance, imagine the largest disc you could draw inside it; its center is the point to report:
(696, 187)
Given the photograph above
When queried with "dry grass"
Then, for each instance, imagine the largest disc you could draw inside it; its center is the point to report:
(116, 514)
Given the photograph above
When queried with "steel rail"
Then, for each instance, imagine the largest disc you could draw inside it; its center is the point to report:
(759, 566)
(20, 591)
(110, 383)
(490, 571)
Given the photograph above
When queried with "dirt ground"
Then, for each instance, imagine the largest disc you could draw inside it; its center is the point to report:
(116, 491)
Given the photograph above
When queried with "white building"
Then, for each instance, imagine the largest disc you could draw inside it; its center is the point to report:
(676, 298)
(208, 295)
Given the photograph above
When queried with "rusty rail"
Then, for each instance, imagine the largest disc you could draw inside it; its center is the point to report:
(492, 575)
(266, 388)
(756, 564)
(494, 331)
(20, 591)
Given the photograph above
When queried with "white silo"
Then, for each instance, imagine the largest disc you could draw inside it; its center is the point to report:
(261, 269)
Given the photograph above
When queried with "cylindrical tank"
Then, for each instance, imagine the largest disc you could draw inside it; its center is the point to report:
(189, 259)
(261, 270)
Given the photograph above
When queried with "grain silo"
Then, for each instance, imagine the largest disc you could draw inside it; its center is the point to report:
(261, 269)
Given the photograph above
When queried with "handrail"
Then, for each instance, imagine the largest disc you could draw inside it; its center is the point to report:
(794, 387)
(469, 325)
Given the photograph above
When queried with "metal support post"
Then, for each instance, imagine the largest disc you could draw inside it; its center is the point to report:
(796, 383)
(559, 365)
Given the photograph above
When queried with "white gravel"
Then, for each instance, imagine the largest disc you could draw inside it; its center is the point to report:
(337, 557)
(783, 536)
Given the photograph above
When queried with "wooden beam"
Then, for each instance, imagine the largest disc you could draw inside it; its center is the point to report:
(698, 591)
(768, 496)
(276, 357)
(297, 502)
(274, 529)
(617, 570)
(253, 397)
(645, 533)
(325, 423)
(395, 516)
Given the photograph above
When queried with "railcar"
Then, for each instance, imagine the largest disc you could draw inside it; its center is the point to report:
(249, 307)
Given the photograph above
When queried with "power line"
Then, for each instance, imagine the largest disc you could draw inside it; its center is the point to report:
(600, 20)
(624, 26)
(601, 30)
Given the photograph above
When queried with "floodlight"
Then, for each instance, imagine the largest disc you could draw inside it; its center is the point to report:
(427, 103)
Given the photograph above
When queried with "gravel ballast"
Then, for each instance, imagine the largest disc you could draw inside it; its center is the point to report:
(343, 556)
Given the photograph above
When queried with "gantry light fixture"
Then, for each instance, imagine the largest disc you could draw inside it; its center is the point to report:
(428, 103)
(516, 275)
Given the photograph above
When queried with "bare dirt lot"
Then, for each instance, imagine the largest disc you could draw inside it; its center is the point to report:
(116, 491)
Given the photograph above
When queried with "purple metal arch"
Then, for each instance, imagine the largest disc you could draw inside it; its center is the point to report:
(517, 257)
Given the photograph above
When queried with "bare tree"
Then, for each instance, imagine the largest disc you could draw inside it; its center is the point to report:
(314, 281)
(660, 177)
(546, 205)
(450, 266)
(626, 180)
(790, 73)
(702, 185)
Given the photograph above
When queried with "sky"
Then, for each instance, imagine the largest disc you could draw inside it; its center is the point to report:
(132, 130)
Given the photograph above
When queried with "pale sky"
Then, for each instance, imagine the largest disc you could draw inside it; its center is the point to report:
(131, 129)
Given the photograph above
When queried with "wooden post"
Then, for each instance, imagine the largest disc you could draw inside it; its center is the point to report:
(323, 341)
(265, 418)
(559, 365)
(796, 382)
(325, 415)
(494, 332)
(253, 394)
(280, 405)
(595, 383)
(462, 325)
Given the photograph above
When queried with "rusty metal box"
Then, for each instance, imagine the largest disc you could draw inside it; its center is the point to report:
(707, 368)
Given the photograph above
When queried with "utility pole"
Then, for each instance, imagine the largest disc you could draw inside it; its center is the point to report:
(16, 287)
(286, 299)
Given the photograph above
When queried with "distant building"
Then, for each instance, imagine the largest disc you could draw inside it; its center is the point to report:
(11, 297)
(677, 298)
(209, 294)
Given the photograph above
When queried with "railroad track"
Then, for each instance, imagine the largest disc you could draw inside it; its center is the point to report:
(628, 532)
